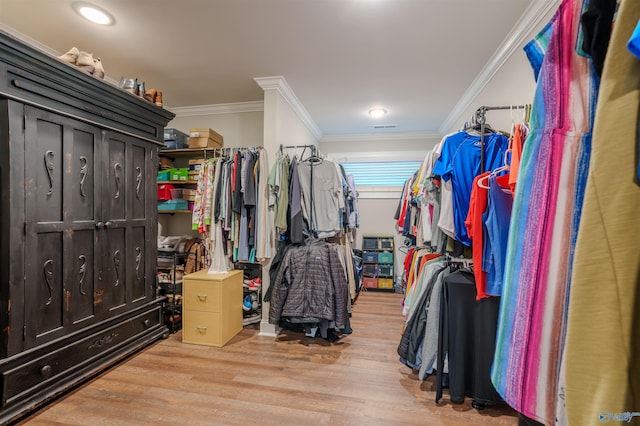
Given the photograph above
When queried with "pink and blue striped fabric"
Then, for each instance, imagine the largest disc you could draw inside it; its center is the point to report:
(545, 219)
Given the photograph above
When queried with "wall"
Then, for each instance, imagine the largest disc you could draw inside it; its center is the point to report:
(241, 129)
(286, 122)
(512, 84)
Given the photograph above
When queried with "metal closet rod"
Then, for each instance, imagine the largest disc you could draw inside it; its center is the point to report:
(490, 108)
(480, 116)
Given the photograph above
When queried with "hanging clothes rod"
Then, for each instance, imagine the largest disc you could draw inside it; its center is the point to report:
(481, 118)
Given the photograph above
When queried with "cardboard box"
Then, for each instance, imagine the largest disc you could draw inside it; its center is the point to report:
(204, 143)
(202, 132)
(204, 138)
(189, 194)
(195, 164)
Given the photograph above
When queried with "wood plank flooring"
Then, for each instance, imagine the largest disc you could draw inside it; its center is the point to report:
(255, 380)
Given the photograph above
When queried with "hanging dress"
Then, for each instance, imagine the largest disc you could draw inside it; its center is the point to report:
(545, 216)
(602, 352)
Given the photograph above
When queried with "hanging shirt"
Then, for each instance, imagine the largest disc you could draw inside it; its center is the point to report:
(477, 206)
(459, 163)
(519, 135)
(496, 222)
(321, 197)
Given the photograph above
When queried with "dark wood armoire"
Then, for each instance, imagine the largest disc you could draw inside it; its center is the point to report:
(78, 225)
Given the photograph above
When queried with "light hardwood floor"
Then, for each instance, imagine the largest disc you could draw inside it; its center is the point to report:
(254, 380)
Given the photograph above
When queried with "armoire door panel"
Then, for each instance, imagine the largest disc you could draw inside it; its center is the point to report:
(45, 284)
(47, 161)
(137, 270)
(83, 175)
(114, 265)
(116, 195)
(81, 277)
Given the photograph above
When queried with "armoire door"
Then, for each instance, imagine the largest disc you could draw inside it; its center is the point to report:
(128, 222)
(62, 210)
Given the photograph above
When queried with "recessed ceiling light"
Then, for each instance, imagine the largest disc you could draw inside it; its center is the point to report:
(93, 13)
(377, 112)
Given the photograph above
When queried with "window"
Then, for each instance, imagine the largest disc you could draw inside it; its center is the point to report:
(381, 173)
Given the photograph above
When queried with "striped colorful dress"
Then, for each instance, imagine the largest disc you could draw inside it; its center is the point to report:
(545, 218)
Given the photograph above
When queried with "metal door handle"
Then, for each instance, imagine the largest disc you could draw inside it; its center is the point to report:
(99, 225)
(108, 224)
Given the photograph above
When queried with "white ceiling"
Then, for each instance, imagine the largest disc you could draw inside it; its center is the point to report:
(417, 58)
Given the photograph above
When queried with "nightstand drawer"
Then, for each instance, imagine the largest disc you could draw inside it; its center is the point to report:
(201, 328)
(202, 295)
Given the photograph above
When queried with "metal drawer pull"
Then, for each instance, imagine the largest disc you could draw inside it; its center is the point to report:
(202, 297)
(202, 330)
(46, 371)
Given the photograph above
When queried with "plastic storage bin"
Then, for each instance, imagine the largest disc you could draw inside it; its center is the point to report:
(175, 139)
(176, 193)
(179, 174)
(172, 205)
(164, 175)
(164, 192)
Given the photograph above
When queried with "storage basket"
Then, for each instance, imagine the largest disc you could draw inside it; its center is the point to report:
(369, 243)
(370, 257)
(385, 283)
(176, 193)
(370, 283)
(385, 257)
(369, 269)
(385, 270)
(385, 244)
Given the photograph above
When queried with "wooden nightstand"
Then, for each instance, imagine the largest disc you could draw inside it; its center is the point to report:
(212, 307)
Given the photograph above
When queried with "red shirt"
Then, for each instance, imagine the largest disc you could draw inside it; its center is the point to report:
(477, 205)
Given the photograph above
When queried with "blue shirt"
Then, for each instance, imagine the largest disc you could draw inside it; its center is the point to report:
(496, 224)
(460, 162)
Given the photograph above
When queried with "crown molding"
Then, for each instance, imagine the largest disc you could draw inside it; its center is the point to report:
(279, 84)
(229, 108)
(4, 27)
(43, 47)
(530, 19)
(370, 137)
